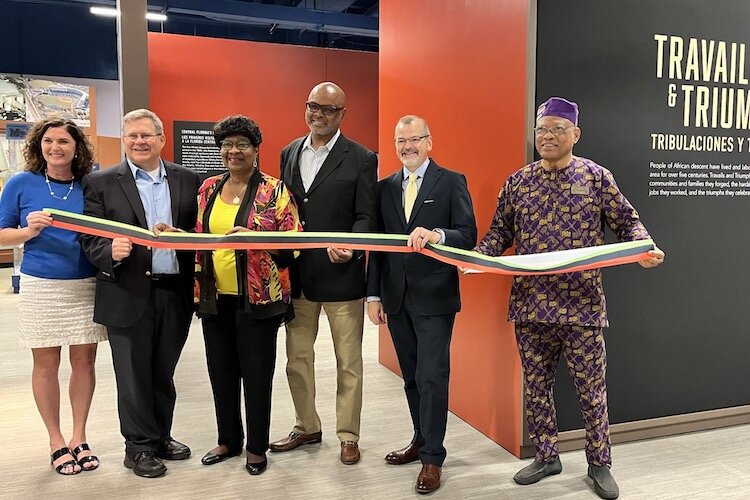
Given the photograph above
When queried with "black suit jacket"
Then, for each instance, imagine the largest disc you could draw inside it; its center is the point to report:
(340, 199)
(122, 290)
(443, 202)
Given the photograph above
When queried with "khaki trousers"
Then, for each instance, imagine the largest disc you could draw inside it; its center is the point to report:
(346, 320)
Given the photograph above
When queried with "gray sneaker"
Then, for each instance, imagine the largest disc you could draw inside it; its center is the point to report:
(604, 484)
(537, 470)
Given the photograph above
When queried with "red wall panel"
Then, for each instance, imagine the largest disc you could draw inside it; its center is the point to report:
(206, 79)
(462, 66)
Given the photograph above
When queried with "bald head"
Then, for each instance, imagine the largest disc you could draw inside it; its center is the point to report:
(330, 91)
(326, 107)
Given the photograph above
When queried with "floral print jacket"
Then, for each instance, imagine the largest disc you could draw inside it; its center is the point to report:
(263, 278)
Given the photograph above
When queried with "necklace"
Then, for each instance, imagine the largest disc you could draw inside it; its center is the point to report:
(52, 193)
(236, 200)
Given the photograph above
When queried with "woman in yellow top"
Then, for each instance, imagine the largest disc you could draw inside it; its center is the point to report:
(243, 296)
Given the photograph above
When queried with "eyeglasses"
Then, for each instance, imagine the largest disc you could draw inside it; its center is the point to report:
(557, 130)
(228, 145)
(312, 107)
(411, 141)
(145, 137)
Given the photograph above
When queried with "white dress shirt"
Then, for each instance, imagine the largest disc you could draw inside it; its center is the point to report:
(311, 160)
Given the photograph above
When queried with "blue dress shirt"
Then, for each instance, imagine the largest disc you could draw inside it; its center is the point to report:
(157, 204)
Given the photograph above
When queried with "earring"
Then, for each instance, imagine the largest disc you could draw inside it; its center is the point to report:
(255, 162)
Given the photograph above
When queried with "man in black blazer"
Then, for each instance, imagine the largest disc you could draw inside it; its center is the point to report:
(333, 180)
(419, 296)
(144, 296)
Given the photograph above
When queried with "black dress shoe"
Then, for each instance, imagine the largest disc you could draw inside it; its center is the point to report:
(211, 458)
(537, 470)
(604, 484)
(169, 449)
(145, 464)
(257, 468)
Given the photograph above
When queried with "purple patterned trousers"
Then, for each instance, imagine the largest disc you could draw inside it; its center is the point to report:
(540, 346)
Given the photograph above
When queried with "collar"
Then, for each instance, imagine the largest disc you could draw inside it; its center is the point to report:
(419, 171)
(573, 160)
(328, 145)
(134, 169)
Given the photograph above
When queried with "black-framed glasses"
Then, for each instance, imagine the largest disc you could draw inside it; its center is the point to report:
(556, 130)
(327, 110)
(229, 145)
(411, 141)
(145, 137)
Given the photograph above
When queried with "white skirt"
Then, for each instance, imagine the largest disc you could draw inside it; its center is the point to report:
(54, 312)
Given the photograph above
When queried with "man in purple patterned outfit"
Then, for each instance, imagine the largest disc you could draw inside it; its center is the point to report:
(558, 203)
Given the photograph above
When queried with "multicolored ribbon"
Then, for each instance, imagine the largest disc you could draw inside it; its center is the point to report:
(563, 261)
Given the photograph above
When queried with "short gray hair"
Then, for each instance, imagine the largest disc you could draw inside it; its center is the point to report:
(137, 114)
(409, 119)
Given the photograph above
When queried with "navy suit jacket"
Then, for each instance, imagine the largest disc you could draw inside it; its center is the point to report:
(443, 201)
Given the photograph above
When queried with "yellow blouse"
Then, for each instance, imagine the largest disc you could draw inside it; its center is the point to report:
(220, 221)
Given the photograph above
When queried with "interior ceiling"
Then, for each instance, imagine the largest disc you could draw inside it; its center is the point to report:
(346, 24)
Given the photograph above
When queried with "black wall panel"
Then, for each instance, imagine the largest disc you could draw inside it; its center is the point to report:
(57, 40)
(679, 339)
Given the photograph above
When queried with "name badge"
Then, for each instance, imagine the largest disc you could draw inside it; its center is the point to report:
(577, 189)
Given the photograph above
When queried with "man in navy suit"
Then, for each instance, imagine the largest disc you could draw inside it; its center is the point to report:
(419, 296)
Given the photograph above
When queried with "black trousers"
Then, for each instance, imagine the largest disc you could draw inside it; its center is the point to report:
(145, 357)
(241, 348)
(423, 348)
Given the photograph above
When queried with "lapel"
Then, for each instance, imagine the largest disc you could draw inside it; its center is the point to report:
(334, 159)
(292, 176)
(431, 176)
(174, 181)
(396, 194)
(127, 183)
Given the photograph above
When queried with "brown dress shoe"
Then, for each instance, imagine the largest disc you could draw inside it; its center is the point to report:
(349, 452)
(403, 456)
(294, 440)
(428, 479)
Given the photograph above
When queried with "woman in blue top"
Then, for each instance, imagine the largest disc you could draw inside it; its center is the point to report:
(57, 282)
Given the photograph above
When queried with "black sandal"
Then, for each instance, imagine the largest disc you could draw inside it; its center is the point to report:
(58, 468)
(84, 460)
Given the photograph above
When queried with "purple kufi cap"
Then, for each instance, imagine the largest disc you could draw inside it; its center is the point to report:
(557, 106)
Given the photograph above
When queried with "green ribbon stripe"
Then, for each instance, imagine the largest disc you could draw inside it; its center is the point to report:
(544, 263)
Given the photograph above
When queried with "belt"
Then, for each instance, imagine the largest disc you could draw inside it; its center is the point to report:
(165, 279)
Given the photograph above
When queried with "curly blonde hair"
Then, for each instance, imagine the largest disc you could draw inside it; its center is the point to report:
(32, 151)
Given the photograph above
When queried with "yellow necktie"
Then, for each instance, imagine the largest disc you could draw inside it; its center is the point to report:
(410, 196)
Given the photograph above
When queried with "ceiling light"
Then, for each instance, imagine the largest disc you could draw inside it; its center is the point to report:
(109, 12)
(103, 11)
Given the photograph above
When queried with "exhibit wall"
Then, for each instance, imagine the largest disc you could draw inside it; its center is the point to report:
(462, 67)
(197, 79)
(665, 105)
